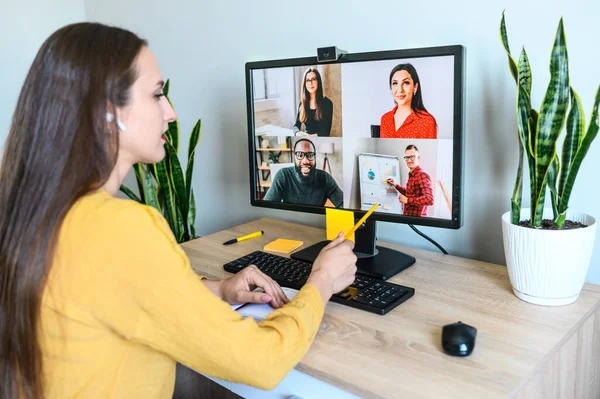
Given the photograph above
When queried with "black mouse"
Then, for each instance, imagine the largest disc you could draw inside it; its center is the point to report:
(458, 339)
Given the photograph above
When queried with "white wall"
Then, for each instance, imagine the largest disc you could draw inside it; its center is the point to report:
(202, 47)
(24, 26)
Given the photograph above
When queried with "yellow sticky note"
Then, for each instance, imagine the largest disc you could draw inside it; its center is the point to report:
(282, 245)
(338, 220)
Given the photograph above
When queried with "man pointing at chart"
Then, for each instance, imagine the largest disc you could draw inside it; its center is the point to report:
(418, 194)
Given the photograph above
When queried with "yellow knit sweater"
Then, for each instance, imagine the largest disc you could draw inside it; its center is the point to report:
(122, 305)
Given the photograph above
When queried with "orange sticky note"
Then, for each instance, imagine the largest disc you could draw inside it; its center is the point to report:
(282, 245)
(338, 220)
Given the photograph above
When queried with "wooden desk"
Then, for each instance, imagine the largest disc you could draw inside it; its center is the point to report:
(522, 350)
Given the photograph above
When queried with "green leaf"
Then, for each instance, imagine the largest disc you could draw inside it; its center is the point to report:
(166, 87)
(575, 127)
(538, 213)
(589, 137)
(184, 236)
(172, 133)
(523, 110)
(524, 126)
(161, 199)
(194, 138)
(533, 119)
(552, 117)
(149, 190)
(170, 206)
(127, 191)
(137, 168)
(552, 177)
(152, 171)
(533, 126)
(517, 191)
(192, 216)
(525, 73)
(178, 185)
(511, 62)
(560, 220)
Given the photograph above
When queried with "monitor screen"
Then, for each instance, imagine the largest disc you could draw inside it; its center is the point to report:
(378, 127)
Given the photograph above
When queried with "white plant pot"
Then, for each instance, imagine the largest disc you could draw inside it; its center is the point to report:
(548, 267)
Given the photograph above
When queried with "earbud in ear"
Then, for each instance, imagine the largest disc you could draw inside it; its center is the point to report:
(110, 117)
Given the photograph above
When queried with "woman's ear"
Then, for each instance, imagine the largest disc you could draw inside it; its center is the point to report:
(110, 117)
(111, 110)
(416, 89)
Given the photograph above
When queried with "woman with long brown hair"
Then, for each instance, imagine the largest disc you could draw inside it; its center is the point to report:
(316, 110)
(409, 119)
(96, 297)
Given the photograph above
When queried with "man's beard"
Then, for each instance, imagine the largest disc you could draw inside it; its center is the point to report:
(305, 178)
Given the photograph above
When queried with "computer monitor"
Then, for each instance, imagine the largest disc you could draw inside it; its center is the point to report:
(377, 127)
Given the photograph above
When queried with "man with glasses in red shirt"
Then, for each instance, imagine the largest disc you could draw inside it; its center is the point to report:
(303, 183)
(418, 194)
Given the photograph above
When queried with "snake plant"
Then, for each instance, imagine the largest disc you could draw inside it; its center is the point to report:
(164, 186)
(538, 133)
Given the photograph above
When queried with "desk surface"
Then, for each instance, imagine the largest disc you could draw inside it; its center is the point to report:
(520, 348)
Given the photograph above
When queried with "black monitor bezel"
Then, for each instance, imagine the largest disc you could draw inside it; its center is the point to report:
(458, 51)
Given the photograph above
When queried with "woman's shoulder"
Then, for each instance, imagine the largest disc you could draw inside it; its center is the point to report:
(327, 100)
(388, 115)
(425, 116)
(103, 212)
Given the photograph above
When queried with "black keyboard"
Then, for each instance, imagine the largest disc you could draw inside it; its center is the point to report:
(365, 293)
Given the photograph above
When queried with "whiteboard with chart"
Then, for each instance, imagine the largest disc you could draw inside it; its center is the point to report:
(374, 170)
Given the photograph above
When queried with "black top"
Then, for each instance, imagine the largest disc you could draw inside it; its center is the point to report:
(313, 126)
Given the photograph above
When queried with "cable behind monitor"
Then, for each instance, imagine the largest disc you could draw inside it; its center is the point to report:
(427, 238)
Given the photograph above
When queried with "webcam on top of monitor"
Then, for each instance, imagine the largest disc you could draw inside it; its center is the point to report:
(329, 54)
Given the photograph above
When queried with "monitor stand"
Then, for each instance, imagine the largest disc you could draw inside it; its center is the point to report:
(373, 261)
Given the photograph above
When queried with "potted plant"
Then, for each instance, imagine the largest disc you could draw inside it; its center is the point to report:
(548, 250)
(274, 157)
(163, 185)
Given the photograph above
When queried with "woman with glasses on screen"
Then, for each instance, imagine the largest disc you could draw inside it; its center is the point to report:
(97, 299)
(409, 118)
(316, 110)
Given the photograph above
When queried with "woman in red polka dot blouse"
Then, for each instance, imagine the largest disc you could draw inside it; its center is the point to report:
(409, 118)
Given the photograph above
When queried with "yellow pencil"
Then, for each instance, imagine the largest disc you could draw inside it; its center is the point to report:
(361, 221)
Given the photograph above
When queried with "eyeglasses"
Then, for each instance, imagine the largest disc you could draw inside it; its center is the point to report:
(300, 155)
(311, 80)
(410, 158)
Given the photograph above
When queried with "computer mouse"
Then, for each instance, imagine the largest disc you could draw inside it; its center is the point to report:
(458, 339)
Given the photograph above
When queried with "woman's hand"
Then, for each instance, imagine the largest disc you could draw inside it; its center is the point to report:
(239, 288)
(391, 181)
(403, 198)
(335, 268)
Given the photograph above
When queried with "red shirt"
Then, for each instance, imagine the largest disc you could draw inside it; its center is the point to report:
(417, 125)
(418, 191)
